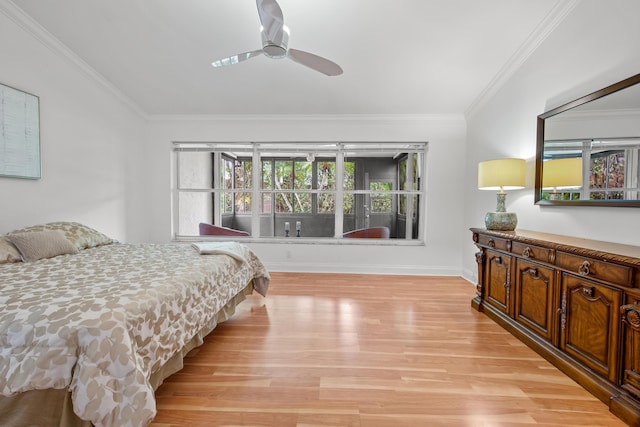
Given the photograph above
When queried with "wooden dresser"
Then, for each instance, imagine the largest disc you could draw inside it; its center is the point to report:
(574, 301)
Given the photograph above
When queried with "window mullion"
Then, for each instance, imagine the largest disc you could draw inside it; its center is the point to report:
(293, 185)
(339, 215)
(409, 201)
(218, 170)
(255, 192)
(314, 186)
(421, 178)
(586, 167)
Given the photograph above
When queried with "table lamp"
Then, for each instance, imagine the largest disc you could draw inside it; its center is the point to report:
(501, 174)
(561, 173)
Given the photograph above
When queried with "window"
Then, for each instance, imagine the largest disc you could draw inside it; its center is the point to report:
(237, 182)
(293, 175)
(290, 184)
(326, 188)
(326, 181)
(381, 197)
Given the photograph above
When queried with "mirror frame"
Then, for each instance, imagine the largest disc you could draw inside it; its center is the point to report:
(633, 80)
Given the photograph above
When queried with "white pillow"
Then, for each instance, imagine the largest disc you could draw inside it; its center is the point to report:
(35, 245)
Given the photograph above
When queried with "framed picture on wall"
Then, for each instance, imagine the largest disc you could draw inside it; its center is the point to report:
(19, 134)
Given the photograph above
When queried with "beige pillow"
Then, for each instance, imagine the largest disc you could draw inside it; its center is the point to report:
(81, 236)
(8, 252)
(35, 245)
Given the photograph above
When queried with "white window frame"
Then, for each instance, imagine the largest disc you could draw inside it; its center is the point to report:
(340, 151)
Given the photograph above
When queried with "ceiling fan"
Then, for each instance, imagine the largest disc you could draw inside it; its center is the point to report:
(275, 43)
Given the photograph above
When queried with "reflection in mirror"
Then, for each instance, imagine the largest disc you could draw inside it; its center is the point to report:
(608, 166)
(561, 177)
(601, 134)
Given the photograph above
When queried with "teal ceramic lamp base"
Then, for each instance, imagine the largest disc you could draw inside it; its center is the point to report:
(501, 220)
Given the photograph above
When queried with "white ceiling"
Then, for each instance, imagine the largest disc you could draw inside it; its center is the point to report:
(399, 57)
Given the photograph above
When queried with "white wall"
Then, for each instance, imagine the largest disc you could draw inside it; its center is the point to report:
(595, 46)
(105, 166)
(90, 144)
(445, 134)
(108, 167)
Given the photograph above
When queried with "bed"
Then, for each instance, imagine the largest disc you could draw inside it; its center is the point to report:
(89, 333)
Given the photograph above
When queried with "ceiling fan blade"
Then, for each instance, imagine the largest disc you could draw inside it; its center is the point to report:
(271, 19)
(315, 62)
(231, 60)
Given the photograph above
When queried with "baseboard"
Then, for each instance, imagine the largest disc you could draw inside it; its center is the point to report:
(406, 270)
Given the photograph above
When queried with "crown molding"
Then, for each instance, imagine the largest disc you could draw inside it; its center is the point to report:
(551, 21)
(434, 118)
(37, 31)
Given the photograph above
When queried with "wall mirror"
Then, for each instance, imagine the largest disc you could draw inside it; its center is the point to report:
(588, 150)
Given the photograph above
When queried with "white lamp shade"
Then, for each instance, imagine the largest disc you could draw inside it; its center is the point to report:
(562, 173)
(501, 174)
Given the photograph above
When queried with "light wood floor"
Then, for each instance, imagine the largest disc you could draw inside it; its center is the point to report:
(369, 351)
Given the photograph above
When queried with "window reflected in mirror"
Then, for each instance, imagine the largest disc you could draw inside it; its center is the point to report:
(608, 167)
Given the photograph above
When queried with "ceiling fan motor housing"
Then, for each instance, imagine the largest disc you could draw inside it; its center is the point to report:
(272, 48)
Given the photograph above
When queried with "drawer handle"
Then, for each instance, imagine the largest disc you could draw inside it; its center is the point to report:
(492, 243)
(588, 291)
(583, 270)
(527, 252)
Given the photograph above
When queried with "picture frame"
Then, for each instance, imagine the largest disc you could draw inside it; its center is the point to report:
(20, 155)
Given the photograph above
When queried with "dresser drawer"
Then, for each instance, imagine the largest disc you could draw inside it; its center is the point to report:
(532, 252)
(587, 267)
(493, 242)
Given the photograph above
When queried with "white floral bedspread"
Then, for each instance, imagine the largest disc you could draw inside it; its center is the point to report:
(102, 321)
